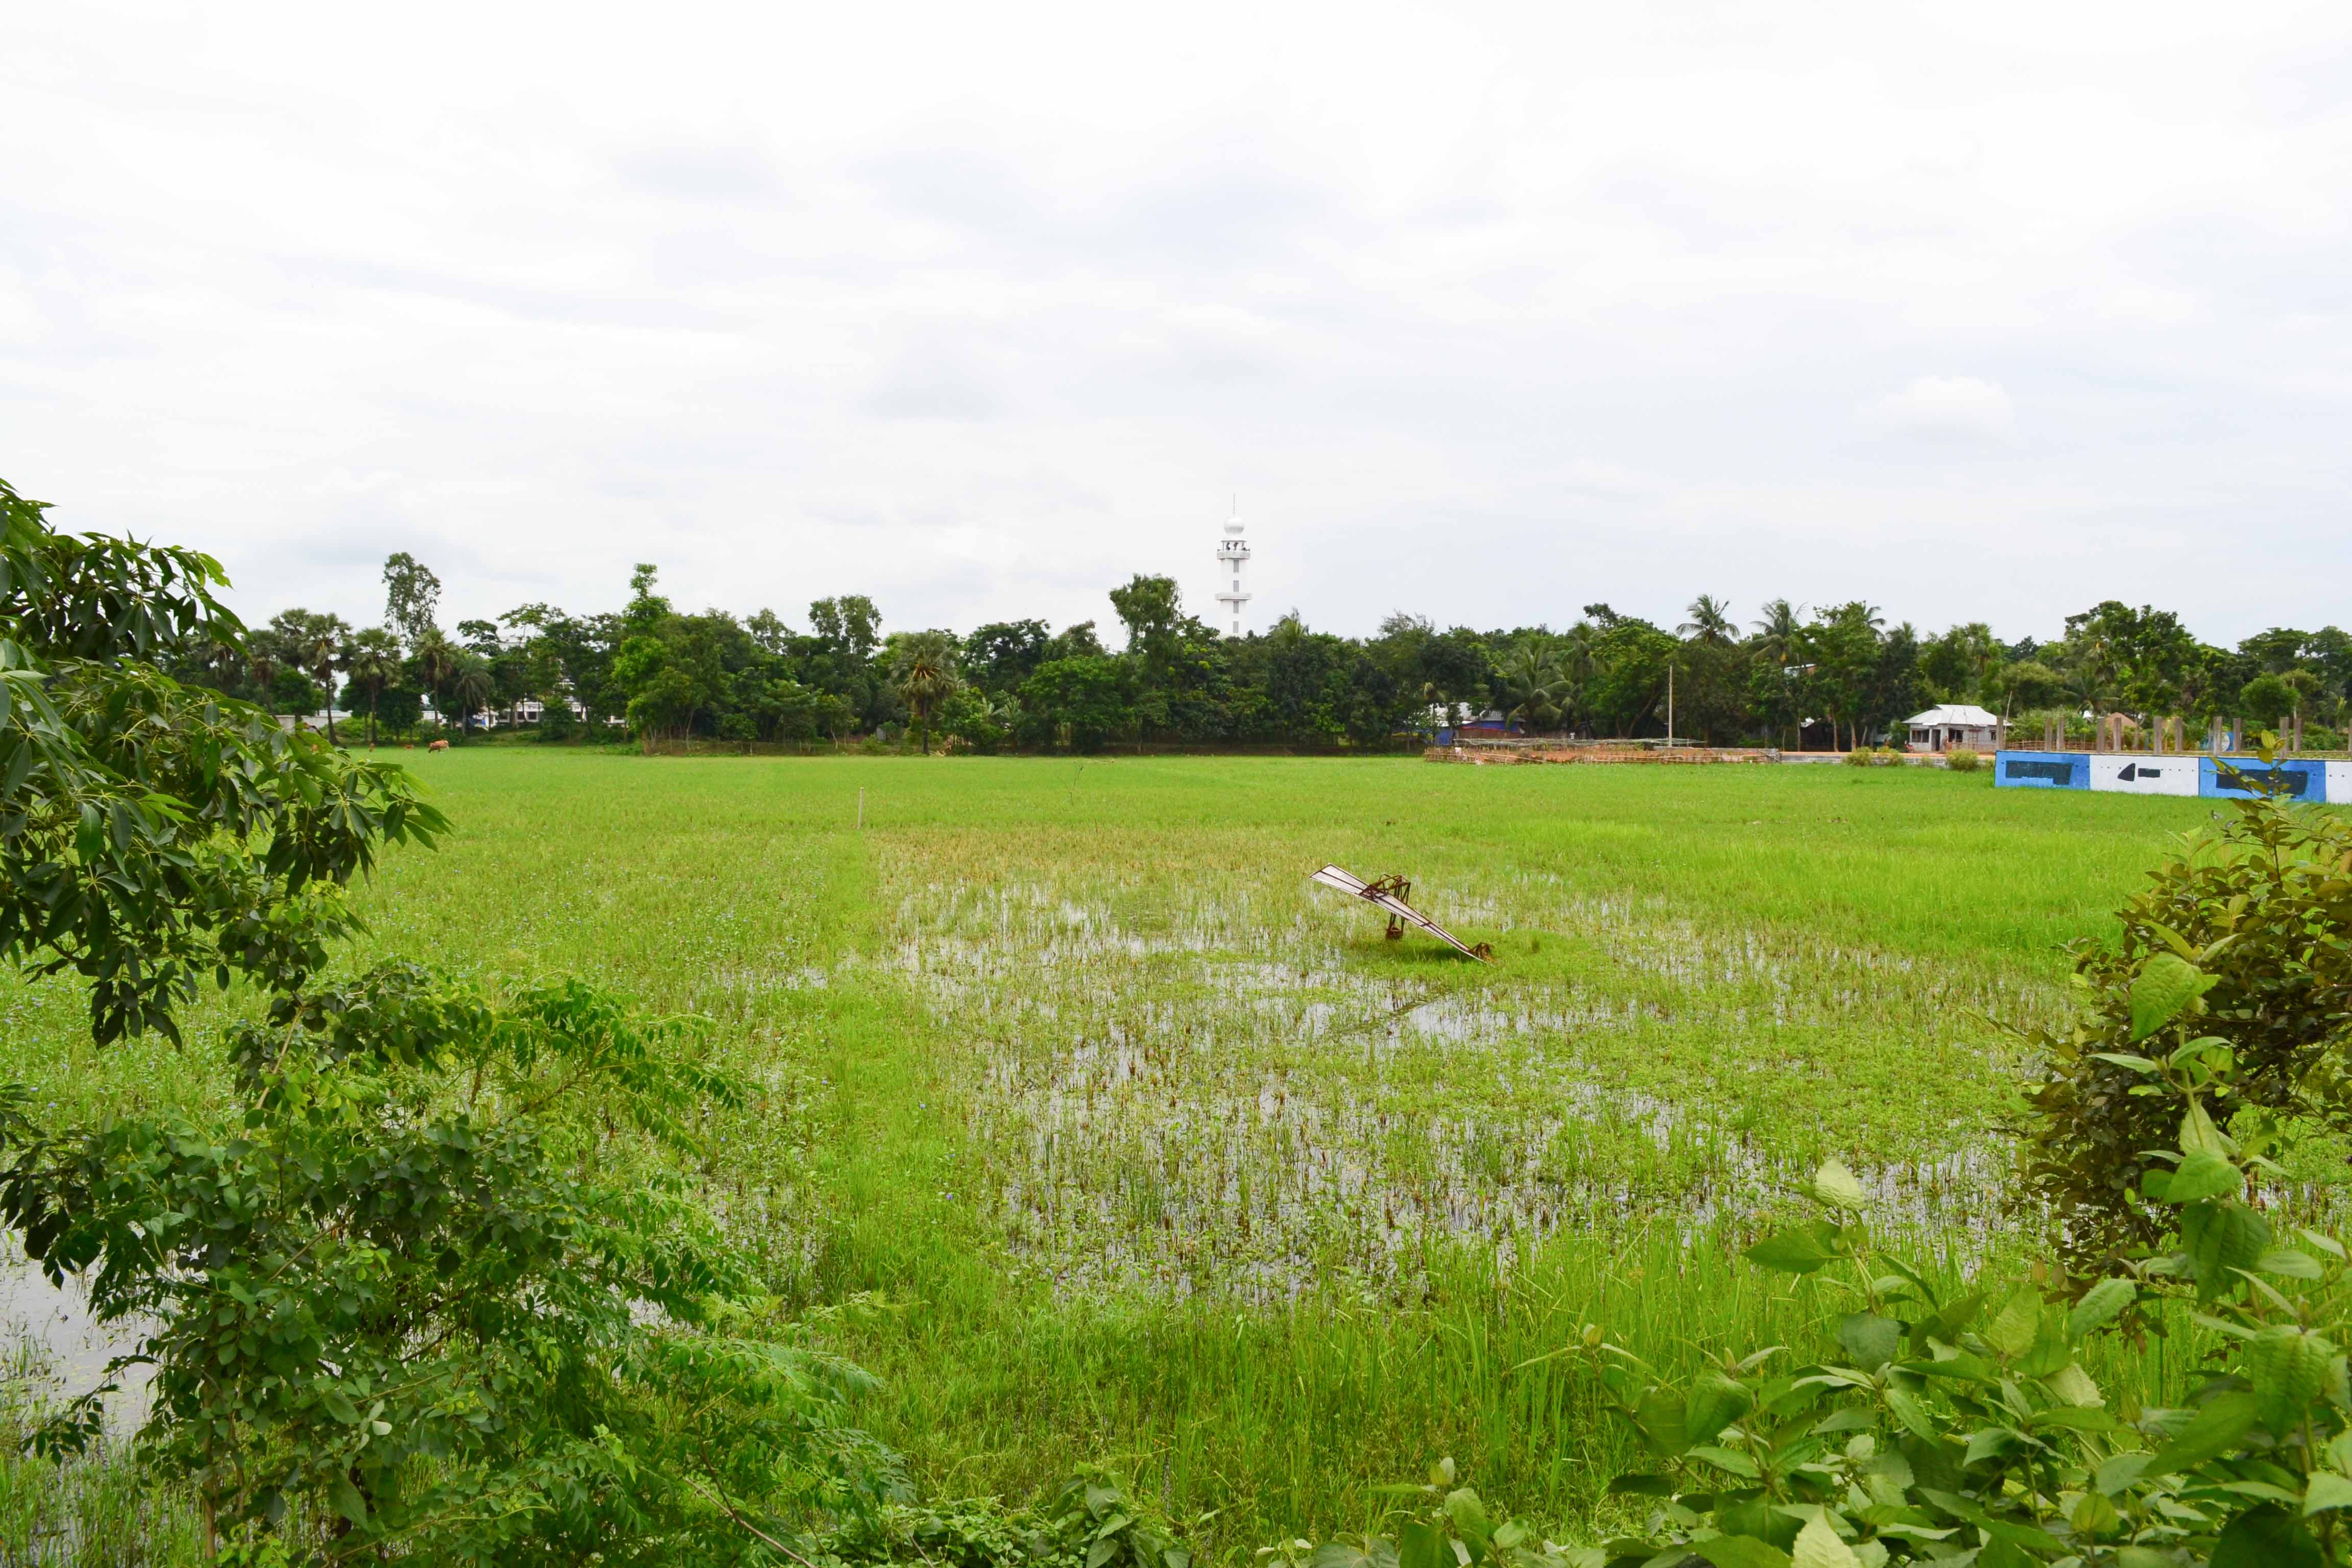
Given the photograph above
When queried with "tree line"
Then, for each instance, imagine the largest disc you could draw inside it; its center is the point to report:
(1833, 676)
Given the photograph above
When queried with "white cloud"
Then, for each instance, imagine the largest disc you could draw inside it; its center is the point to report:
(1488, 310)
(1947, 405)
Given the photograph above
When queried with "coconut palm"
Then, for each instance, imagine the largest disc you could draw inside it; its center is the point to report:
(373, 662)
(924, 671)
(1780, 641)
(1534, 683)
(1709, 623)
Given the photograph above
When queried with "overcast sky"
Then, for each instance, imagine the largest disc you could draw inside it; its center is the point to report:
(1974, 311)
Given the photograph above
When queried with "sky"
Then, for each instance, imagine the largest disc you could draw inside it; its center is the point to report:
(1976, 312)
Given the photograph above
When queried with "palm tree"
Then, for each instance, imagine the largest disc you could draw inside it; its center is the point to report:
(320, 648)
(435, 663)
(261, 663)
(924, 672)
(470, 689)
(1709, 623)
(1780, 640)
(373, 662)
(221, 656)
(1533, 682)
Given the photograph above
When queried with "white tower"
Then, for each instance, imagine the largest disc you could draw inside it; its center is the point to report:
(1232, 560)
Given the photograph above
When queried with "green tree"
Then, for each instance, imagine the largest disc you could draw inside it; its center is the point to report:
(423, 1284)
(1710, 624)
(923, 666)
(1534, 685)
(371, 660)
(159, 836)
(471, 689)
(1078, 703)
(412, 595)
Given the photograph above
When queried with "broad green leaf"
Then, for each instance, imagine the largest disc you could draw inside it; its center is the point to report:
(2167, 984)
(2203, 1176)
(1714, 1403)
(2100, 1305)
(1420, 1544)
(1870, 1340)
(2288, 1263)
(2328, 1491)
(1661, 1416)
(1992, 1441)
(2074, 1417)
(339, 1406)
(2218, 1237)
(2073, 1385)
(1797, 1251)
(347, 1500)
(2199, 1136)
(2216, 1429)
(1738, 1464)
(2123, 1471)
(1836, 1185)
(1755, 1516)
(2125, 1060)
(2288, 1368)
(1913, 1413)
(1818, 1546)
(2266, 1537)
(1469, 1515)
(2093, 1515)
(2014, 1327)
(1740, 1551)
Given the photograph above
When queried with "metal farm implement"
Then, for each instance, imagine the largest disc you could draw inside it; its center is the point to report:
(1389, 893)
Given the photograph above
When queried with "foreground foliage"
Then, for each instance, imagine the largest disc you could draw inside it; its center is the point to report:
(414, 1292)
(434, 1281)
(2257, 917)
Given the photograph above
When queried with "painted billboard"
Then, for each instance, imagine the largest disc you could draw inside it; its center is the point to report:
(2145, 775)
(2041, 770)
(2235, 778)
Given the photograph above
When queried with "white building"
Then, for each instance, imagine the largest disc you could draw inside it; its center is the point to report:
(1950, 724)
(1233, 562)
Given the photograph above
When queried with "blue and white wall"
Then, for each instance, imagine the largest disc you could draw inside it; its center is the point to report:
(2210, 778)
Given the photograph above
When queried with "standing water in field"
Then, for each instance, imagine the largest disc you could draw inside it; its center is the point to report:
(1243, 1088)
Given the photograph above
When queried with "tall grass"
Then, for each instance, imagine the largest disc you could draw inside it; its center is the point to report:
(1101, 1135)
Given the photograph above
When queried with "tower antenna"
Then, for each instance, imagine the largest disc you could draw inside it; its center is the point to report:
(1233, 559)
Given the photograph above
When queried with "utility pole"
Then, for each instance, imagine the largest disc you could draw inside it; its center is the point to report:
(1670, 702)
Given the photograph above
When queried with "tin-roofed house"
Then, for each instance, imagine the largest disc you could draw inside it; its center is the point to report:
(1950, 724)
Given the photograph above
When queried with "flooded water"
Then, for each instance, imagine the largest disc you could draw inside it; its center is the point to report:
(58, 1347)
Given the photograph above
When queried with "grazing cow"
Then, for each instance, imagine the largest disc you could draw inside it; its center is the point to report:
(438, 746)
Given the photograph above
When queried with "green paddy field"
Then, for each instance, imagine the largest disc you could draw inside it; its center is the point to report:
(1100, 1134)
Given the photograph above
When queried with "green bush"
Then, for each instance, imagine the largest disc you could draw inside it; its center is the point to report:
(1859, 757)
(427, 1281)
(1931, 1422)
(2260, 909)
(1963, 760)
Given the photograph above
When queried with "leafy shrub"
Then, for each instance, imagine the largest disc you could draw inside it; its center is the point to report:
(1859, 757)
(434, 1287)
(1963, 760)
(1938, 1422)
(2258, 914)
